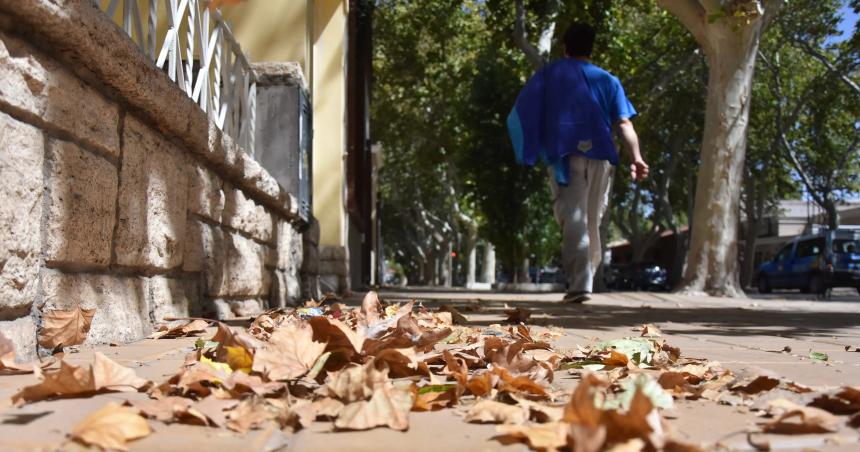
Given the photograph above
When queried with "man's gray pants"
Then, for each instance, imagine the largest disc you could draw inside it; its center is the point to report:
(578, 209)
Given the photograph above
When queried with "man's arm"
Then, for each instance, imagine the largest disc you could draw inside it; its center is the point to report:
(638, 169)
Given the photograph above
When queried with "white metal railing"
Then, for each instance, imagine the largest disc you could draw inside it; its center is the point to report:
(198, 51)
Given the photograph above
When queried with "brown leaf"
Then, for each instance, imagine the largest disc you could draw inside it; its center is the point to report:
(518, 315)
(111, 427)
(457, 318)
(521, 383)
(290, 353)
(546, 437)
(214, 409)
(435, 400)
(480, 385)
(797, 419)
(65, 327)
(615, 359)
(387, 406)
(758, 384)
(402, 362)
(191, 328)
(170, 409)
(254, 413)
(110, 376)
(72, 381)
(336, 334)
(845, 401)
(370, 309)
(328, 407)
(496, 412)
(649, 330)
(354, 383)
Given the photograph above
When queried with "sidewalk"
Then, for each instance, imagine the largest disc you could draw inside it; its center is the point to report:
(747, 336)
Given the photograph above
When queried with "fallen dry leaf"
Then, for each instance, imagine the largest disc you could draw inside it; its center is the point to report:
(73, 381)
(649, 330)
(191, 328)
(291, 353)
(758, 384)
(387, 406)
(496, 412)
(65, 327)
(111, 427)
(792, 418)
(518, 315)
(548, 437)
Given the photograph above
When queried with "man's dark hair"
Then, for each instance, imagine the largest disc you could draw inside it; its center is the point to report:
(579, 40)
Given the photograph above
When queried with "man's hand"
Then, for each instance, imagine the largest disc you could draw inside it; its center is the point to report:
(639, 170)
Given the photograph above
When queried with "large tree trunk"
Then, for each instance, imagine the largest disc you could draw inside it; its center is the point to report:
(489, 260)
(712, 258)
(729, 34)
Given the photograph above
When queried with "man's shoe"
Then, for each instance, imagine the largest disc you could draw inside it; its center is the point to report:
(577, 297)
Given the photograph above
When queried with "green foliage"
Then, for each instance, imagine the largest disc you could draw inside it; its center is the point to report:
(447, 73)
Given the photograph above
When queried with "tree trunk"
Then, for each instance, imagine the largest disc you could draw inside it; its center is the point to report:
(832, 213)
(448, 266)
(751, 236)
(712, 258)
(729, 33)
(472, 254)
(489, 275)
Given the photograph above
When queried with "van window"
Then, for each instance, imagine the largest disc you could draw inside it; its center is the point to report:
(842, 246)
(783, 253)
(811, 247)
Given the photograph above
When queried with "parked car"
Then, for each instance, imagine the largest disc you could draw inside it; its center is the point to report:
(814, 263)
(638, 276)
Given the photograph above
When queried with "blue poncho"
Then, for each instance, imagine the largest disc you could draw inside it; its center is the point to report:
(555, 115)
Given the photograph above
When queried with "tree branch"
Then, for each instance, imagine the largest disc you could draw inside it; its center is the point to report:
(532, 54)
(811, 51)
(692, 15)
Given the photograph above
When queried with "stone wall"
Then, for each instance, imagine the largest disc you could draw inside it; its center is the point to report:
(109, 200)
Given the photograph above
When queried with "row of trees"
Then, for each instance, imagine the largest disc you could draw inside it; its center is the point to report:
(720, 141)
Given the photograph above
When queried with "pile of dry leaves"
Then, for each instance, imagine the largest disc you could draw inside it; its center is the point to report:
(370, 366)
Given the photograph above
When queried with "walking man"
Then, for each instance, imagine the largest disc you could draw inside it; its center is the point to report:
(565, 115)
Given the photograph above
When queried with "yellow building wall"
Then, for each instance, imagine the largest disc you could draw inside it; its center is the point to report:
(314, 33)
(329, 100)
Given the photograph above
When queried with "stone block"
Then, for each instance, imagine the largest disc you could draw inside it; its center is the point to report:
(82, 189)
(22, 333)
(196, 235)
(22, 151)
(39, 86)
(234, 266)
(289, 246)
(231, 309)
(337, 268)
(205, 192)
(286, 290)
(153, 194)
(332, 253)
(245, 215)
(122, 310)
(166, 298)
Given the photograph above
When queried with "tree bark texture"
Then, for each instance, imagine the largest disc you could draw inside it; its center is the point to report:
(730, 45)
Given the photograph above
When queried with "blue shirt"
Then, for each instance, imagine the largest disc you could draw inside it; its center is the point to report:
(609, 94)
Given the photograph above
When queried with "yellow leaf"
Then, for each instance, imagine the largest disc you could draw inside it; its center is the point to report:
(111, 427)
(239, 359)
(223, 367)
